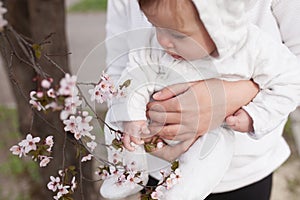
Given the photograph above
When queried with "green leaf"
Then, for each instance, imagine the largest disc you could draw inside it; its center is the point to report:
(37, 50)
(117, 144)
(149, 147)
(175, 165)
(125, 84)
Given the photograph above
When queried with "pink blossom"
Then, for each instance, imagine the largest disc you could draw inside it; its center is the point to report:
(104, 174)
(17, 150)
(44, 160)
(92, 145)
(3, 22)
(49, 141)
(87, 158)
(158, 193)
(62, 190)
(68, 86)
(71, 104)
(51, 93)
(54, 183)
(45, 83)
(33, 101)
(73, 184)
(159, 145)
(71, 124)
(29, 143)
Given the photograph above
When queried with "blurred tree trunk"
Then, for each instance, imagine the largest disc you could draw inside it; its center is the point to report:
(36, 19)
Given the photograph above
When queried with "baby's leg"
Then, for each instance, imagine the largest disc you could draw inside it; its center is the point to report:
(203, 165)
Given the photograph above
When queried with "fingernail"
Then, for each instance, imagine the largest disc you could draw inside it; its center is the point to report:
(157, 94)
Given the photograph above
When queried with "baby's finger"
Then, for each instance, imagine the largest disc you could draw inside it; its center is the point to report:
(231, 120)
(127, 142)
(137, 140)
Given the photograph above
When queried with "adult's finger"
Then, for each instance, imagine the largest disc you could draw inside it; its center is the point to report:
(171, 153)
(164, 117)
(126, 142)
(170, 105)
(171, 91)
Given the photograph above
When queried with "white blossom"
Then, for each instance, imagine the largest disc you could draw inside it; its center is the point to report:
(71, 104)
(68, 86)
(45, 83)
(54, 183)
(73, 184)
(17, 150)
(33, 101)
(158, 193)
(45, 160)
(3, 22)
(29, 143)
(92, 145)
(49, 141)
(51, 93)
(87, 158)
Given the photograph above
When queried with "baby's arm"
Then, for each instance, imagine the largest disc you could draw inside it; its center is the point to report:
(240, 121)
(133, 130)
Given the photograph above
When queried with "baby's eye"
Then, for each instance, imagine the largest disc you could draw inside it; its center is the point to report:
(178, 36)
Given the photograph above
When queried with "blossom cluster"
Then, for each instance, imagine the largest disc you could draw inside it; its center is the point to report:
(38, 150)
(3, 22)
(106, 90)
(122, 174)
(60, 185)
(66, 99)
(169, 179)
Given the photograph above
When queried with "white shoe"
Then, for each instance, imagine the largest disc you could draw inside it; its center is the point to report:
(203, 166)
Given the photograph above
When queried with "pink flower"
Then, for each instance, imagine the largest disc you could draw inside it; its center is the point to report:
(34, 101)
(51, 93)
(53, 184)
(45, 83)
(3, 22)
(87, 158)
(17, 150)
(92, 145)
(29, 143)
(104, 174)
(158, 193)
(73, 184)
(44, 160)
(49, 141)
(68, 86)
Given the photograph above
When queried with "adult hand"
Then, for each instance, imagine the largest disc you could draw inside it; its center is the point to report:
(189, 110)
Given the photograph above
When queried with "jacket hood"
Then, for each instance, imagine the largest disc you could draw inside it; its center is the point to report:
(225, 21)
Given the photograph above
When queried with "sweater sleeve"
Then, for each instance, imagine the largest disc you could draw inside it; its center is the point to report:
(287, 16)
(277, 73)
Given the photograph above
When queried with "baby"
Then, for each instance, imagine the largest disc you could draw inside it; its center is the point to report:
(189, 31)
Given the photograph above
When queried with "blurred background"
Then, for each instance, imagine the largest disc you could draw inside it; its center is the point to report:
(85, 29)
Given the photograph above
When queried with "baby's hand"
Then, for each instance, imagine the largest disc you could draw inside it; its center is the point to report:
(240, 121)
(132, 133)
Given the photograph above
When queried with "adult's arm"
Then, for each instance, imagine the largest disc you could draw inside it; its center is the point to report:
(189, 110)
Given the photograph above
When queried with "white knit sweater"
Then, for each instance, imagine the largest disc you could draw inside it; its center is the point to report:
(253, 159)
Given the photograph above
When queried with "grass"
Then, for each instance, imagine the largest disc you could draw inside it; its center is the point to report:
(89, 6)
(13, 169)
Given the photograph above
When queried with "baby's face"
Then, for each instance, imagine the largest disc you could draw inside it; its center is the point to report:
(187, 39)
